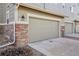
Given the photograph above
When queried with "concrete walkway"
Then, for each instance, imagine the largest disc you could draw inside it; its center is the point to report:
(57, 47)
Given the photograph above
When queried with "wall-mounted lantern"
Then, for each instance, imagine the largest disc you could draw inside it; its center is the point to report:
(22, 18)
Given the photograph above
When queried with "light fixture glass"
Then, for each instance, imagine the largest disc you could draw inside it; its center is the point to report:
(22, 18)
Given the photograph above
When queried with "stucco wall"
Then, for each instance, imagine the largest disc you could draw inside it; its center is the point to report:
(10, 12)
(41, 5)
(2, 13)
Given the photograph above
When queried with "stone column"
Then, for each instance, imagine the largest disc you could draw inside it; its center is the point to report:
(21, 34)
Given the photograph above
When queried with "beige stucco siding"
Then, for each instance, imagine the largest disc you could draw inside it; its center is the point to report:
(25, 11)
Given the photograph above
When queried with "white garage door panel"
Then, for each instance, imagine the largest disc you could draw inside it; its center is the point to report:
(40, 29)
(77, 27)
(68, 28)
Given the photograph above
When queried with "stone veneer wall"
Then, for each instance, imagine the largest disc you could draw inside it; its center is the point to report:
(9, 30)
(21, 34)
(6, 33)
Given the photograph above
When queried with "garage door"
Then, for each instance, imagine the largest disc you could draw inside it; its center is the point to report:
(41, 29)
(68, 28)
(77, 27)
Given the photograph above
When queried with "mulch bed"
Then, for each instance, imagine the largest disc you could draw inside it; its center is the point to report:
(4, 40)
(20, 51)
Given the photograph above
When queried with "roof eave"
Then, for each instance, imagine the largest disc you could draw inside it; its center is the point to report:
(43, 10)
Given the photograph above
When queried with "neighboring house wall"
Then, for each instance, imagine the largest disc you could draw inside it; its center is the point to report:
(41, 5)
(7, 12)
(69, 9)
(10, 12)
(2, 13)
(54, 7)
(62, 7)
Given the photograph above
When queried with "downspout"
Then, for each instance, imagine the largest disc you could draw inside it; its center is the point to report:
(17, 5)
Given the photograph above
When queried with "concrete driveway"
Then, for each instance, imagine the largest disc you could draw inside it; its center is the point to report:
(57, 47)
